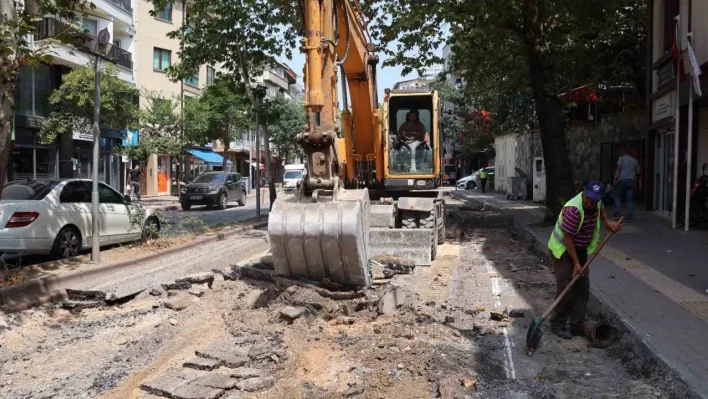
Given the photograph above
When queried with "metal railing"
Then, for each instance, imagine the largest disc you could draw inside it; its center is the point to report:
(51, 28)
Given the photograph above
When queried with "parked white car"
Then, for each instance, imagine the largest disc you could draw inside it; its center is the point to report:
(53, 217)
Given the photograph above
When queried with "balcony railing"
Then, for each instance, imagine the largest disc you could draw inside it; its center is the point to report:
(50, 28)
(124, 4)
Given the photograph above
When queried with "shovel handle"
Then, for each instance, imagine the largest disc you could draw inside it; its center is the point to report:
(582, 271)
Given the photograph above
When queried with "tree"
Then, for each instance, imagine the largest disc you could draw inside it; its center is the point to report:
(241, 37)
(285, 118)
(73, 102)
(161, 126)
(17, 23)
(227, 111)
(558, 42)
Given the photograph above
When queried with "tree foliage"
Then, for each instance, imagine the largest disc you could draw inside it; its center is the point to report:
(73, 103)
(227, 111)
(285, 118)
(517, 56)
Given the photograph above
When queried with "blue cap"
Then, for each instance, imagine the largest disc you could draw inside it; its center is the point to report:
(595, 190)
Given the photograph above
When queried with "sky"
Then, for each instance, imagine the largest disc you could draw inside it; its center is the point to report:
(387, 76)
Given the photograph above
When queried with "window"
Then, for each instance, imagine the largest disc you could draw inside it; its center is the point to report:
(165, 14)
(28, 190)
(90, 26)
(35, 85)
(107, 195)
(117, 43)
(211, 72)
(161, 59)
(76, 191)
(671, 10)
(193, 80)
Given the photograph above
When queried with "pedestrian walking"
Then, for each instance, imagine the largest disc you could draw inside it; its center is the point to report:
(575, 236)
(483, 179)
(625, 181)
(135, 180)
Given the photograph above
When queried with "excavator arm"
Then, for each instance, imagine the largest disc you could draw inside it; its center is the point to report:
(330, 227)
(336, 39)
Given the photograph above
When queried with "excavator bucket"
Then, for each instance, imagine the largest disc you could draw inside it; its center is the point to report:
(323, 239)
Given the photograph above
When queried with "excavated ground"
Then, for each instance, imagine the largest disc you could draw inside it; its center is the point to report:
(438, 340)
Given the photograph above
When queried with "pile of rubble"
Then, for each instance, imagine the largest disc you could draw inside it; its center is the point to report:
(239, 365)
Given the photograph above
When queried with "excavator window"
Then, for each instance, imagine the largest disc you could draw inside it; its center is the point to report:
(411, 135)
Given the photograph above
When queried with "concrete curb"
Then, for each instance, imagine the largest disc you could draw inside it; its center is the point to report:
(644, 356)
(51, 288)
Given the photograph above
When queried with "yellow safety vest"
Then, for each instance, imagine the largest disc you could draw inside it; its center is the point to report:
(483, 174)
(555, 243)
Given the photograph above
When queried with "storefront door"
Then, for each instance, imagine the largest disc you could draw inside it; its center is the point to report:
(664, 177)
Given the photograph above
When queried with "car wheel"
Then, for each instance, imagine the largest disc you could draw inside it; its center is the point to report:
(242, 201)
(151, 229)
(223, 201)
(186, 206)
(67, 244)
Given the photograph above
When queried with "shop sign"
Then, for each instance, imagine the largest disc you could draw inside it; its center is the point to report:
(663, 107)
(83, 131)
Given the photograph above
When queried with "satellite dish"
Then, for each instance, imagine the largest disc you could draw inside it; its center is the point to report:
(103, 38)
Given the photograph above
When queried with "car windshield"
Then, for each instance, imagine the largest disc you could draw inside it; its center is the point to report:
(210, 178)
(293, 174)
(27, 190)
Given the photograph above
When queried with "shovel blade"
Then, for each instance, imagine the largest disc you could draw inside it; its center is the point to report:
(534, 335)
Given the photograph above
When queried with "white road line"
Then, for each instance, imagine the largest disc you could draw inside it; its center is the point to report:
(496, 292)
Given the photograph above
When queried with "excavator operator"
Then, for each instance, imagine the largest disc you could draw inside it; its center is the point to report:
(412, 129)
(413, 137)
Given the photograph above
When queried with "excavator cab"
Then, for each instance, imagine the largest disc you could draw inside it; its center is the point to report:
(412, 139)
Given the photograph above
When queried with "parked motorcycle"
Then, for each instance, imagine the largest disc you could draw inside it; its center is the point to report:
(699, 199)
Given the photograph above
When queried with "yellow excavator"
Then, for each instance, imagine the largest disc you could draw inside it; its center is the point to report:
(371, 175)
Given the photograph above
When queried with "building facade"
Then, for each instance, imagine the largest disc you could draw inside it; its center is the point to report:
(665, 185)
(70, 156)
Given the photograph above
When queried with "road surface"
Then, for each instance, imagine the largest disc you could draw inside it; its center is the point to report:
(200, 216)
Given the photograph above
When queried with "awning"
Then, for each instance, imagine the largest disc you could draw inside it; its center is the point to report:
(209, 157)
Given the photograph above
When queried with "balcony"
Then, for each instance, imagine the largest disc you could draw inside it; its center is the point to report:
(123, 4)
(50, 28)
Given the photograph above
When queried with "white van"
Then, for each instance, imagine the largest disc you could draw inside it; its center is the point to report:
(293, 173)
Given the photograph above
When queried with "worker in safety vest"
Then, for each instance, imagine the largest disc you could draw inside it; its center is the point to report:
(483, 179)
(575, 235)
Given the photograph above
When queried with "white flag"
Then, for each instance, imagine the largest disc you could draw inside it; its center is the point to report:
(695, 70)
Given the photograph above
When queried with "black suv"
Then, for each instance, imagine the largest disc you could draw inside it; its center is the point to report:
(213, 189)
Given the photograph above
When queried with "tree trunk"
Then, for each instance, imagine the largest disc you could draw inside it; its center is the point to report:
(269, 165)
(559, 170)
(226, 150)
(9, 71)
(7, 112)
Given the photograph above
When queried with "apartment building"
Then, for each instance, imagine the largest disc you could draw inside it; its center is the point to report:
(659, 177)
(70, 156)
(454, 77)
(157, 52)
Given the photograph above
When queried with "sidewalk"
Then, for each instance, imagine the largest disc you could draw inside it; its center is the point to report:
(653, 277)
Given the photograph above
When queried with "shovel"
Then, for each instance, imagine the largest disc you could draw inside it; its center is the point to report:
(534, 334)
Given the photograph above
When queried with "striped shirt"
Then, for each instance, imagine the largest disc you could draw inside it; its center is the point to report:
(571, 219)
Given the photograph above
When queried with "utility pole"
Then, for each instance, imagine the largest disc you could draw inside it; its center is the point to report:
(182, 170)
(258, 158)
(95, 233)
(102, 45)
